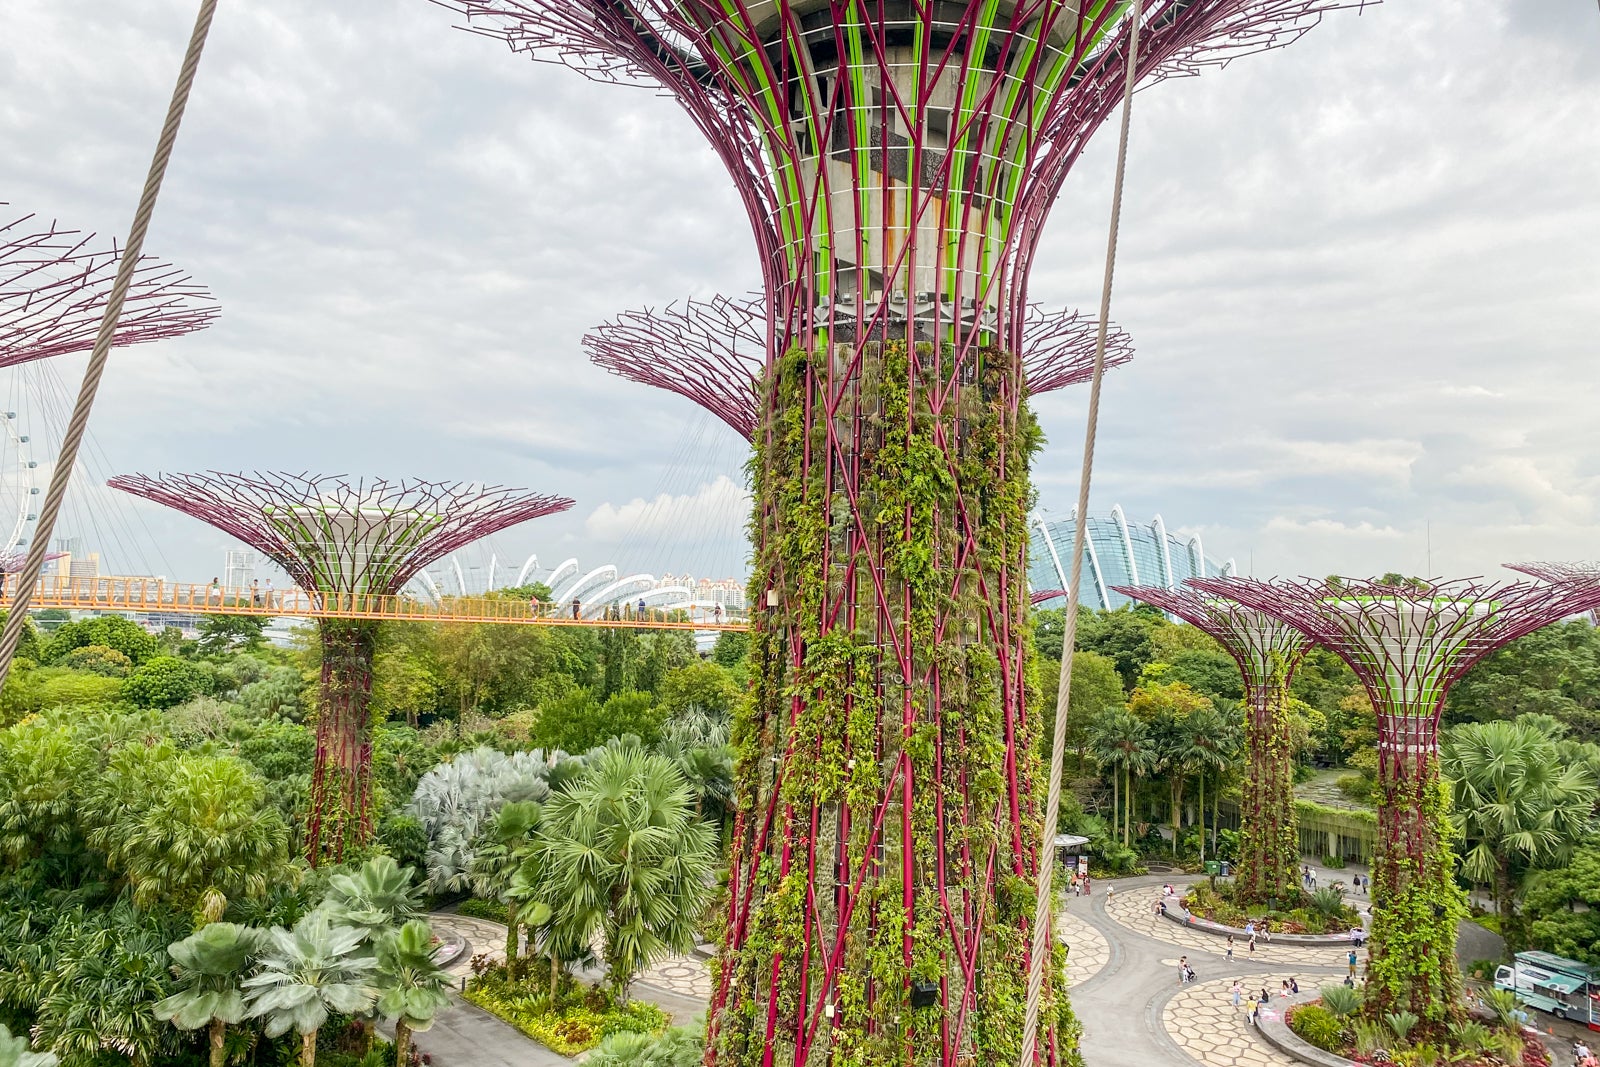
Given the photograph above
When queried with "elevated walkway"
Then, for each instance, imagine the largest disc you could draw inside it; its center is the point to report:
(150, 596)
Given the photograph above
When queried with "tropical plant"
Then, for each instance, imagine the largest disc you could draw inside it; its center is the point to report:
(306, 974)
(211, 962)
(1505, 1007)
(628, 859)
(1400, 1024)
(1370, 1037)
(165, 682)
(495, 864)
(1519, 806)
(1316, 1025)
(1341, 1000)
(1121, 743)
(696, 741)
(15, 1052)
(678, 1047)
(98, 659)
(411, 986)
(456, 800)
(1469, 1037)
(379, 895)
(1328, 902)
(1207, 746)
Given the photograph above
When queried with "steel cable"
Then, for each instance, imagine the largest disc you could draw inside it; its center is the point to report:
(1044, 907)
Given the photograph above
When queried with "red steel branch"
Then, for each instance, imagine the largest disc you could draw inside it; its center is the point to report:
(53, 288)
(713, 352)
(334, 535)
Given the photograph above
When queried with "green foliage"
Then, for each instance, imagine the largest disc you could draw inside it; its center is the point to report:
(578, 722)
(625, 858)
(1213, 673)
(1400, 1024)
(702, 685)
(1316, 1025)
(15, 1052)
(478, 908)
(678, 1047)
(378, 895)
(1563, 907)
(29, 692)
(1341, 1000)
(574, 1022)
(220, 634)
(109, 631)
(98, 659)
(412, 988)
(309, 973)
(1554, 671)
(1122, 636)
(164, 682)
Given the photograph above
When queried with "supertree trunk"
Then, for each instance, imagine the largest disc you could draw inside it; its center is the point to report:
(340, 814)
(1268, 842)
(883, 857)
(1412, 965)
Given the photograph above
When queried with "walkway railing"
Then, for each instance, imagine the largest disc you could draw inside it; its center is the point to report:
(155, 596)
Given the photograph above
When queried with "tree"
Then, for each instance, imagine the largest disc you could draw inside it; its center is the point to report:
(194, 831)
(698, 685)
(1563, 907)
(697, 744)
(221, 634)
(1121, 742)
(165, 682)
(308, 973)
(456, 800)
(98, 659)
(211, 962)
(510, 836)
(112, 631)
(627, 858)
(411, 986)
(1122, 636)
(14, 1052)
(1096, 686)
(376, 897)
(730, 650)
(1519, 806)
(578, 722)
(1553, 671)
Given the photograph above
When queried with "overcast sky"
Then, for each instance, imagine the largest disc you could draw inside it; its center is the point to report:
(1362, 275)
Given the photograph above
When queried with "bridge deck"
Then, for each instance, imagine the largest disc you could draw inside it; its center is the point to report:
(151, 596)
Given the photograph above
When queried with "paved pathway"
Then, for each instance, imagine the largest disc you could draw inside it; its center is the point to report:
(1201, 1019)
(1089, 950)
(1134, 908)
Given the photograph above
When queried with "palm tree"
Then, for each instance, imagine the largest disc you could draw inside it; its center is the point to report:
(378, 896)
(627, 857)
(211, 962)
(1120, 741)
(306, 974)
(696, 741)
(14, 1052)
(495, 862)
(1519, 804)
(411, 986)
(1207, 748)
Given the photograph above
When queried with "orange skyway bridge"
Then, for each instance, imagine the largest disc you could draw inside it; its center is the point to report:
(155, 596)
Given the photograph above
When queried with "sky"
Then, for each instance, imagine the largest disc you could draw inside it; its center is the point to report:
(1361, 274)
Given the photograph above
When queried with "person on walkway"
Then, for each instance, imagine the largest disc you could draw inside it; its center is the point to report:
(1183, 965)
(269, 593)
(1351, 959)
(576, 605)
(1252, 1011)
(1294, 984)
(641, 607)
(1252, 942)
(1265, 996)
(1088, 886)
(1237, 991)
(1230, 948)
(1283, 988)
(216, 590)
(255, 592)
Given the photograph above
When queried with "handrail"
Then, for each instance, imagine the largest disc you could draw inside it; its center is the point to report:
(154, 595)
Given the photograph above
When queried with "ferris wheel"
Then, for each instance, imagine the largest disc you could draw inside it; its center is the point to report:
(19, 489)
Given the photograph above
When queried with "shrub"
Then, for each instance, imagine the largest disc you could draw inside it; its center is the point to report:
(1333, 862)
(1341, 1000)
(577, 1021)
(1400, 1024)
(165, 682)
(98, 659)
(1317, 1026)
(678, 1047)
(478, 908)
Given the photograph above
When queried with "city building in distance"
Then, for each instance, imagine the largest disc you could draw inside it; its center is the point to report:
(1115, 553)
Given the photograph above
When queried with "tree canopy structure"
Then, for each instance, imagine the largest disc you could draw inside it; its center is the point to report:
(897, 163)
(54, 284)
(714, 352)
(337, 537)
(1267, 651)
(1408, 642)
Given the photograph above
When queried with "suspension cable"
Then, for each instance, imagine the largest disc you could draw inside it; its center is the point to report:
(1043, 914)
(22, 592)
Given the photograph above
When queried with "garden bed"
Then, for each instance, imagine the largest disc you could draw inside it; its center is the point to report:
(1323, 914)
(578, 1018)
(1332, 1029)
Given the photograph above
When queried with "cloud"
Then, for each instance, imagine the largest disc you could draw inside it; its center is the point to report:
(1364, 531)
(716, 509)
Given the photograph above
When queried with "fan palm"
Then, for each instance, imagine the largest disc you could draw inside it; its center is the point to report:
(377, 896)
(627, 858)
(495, 862)
(411, 986)
(1120, 742)
(1202, 745)
(14, 1052)
(307, 973)
(211, 962)
(1519, 805)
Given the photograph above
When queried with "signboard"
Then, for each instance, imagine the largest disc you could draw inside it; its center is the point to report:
(1083, 866)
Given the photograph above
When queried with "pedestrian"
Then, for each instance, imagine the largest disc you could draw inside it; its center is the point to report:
(1294, 985)
(1110, 889)
(1252, 942)
(1251, 1010)
(716, 613)
(575, 606)
(255, 592)
(269, 593)
(1351, 959)
(1230, 951)
(641, 607)
(216, 589)
(1088, 886)
(1183, 965)
(1266, 931)
(1265, 996)
(1237, 991)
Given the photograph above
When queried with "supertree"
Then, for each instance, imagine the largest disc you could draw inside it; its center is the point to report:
(344, 542)
(1408, 642)
(713, 352)
(1267, 651)
(54, 284)
(897, 162)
